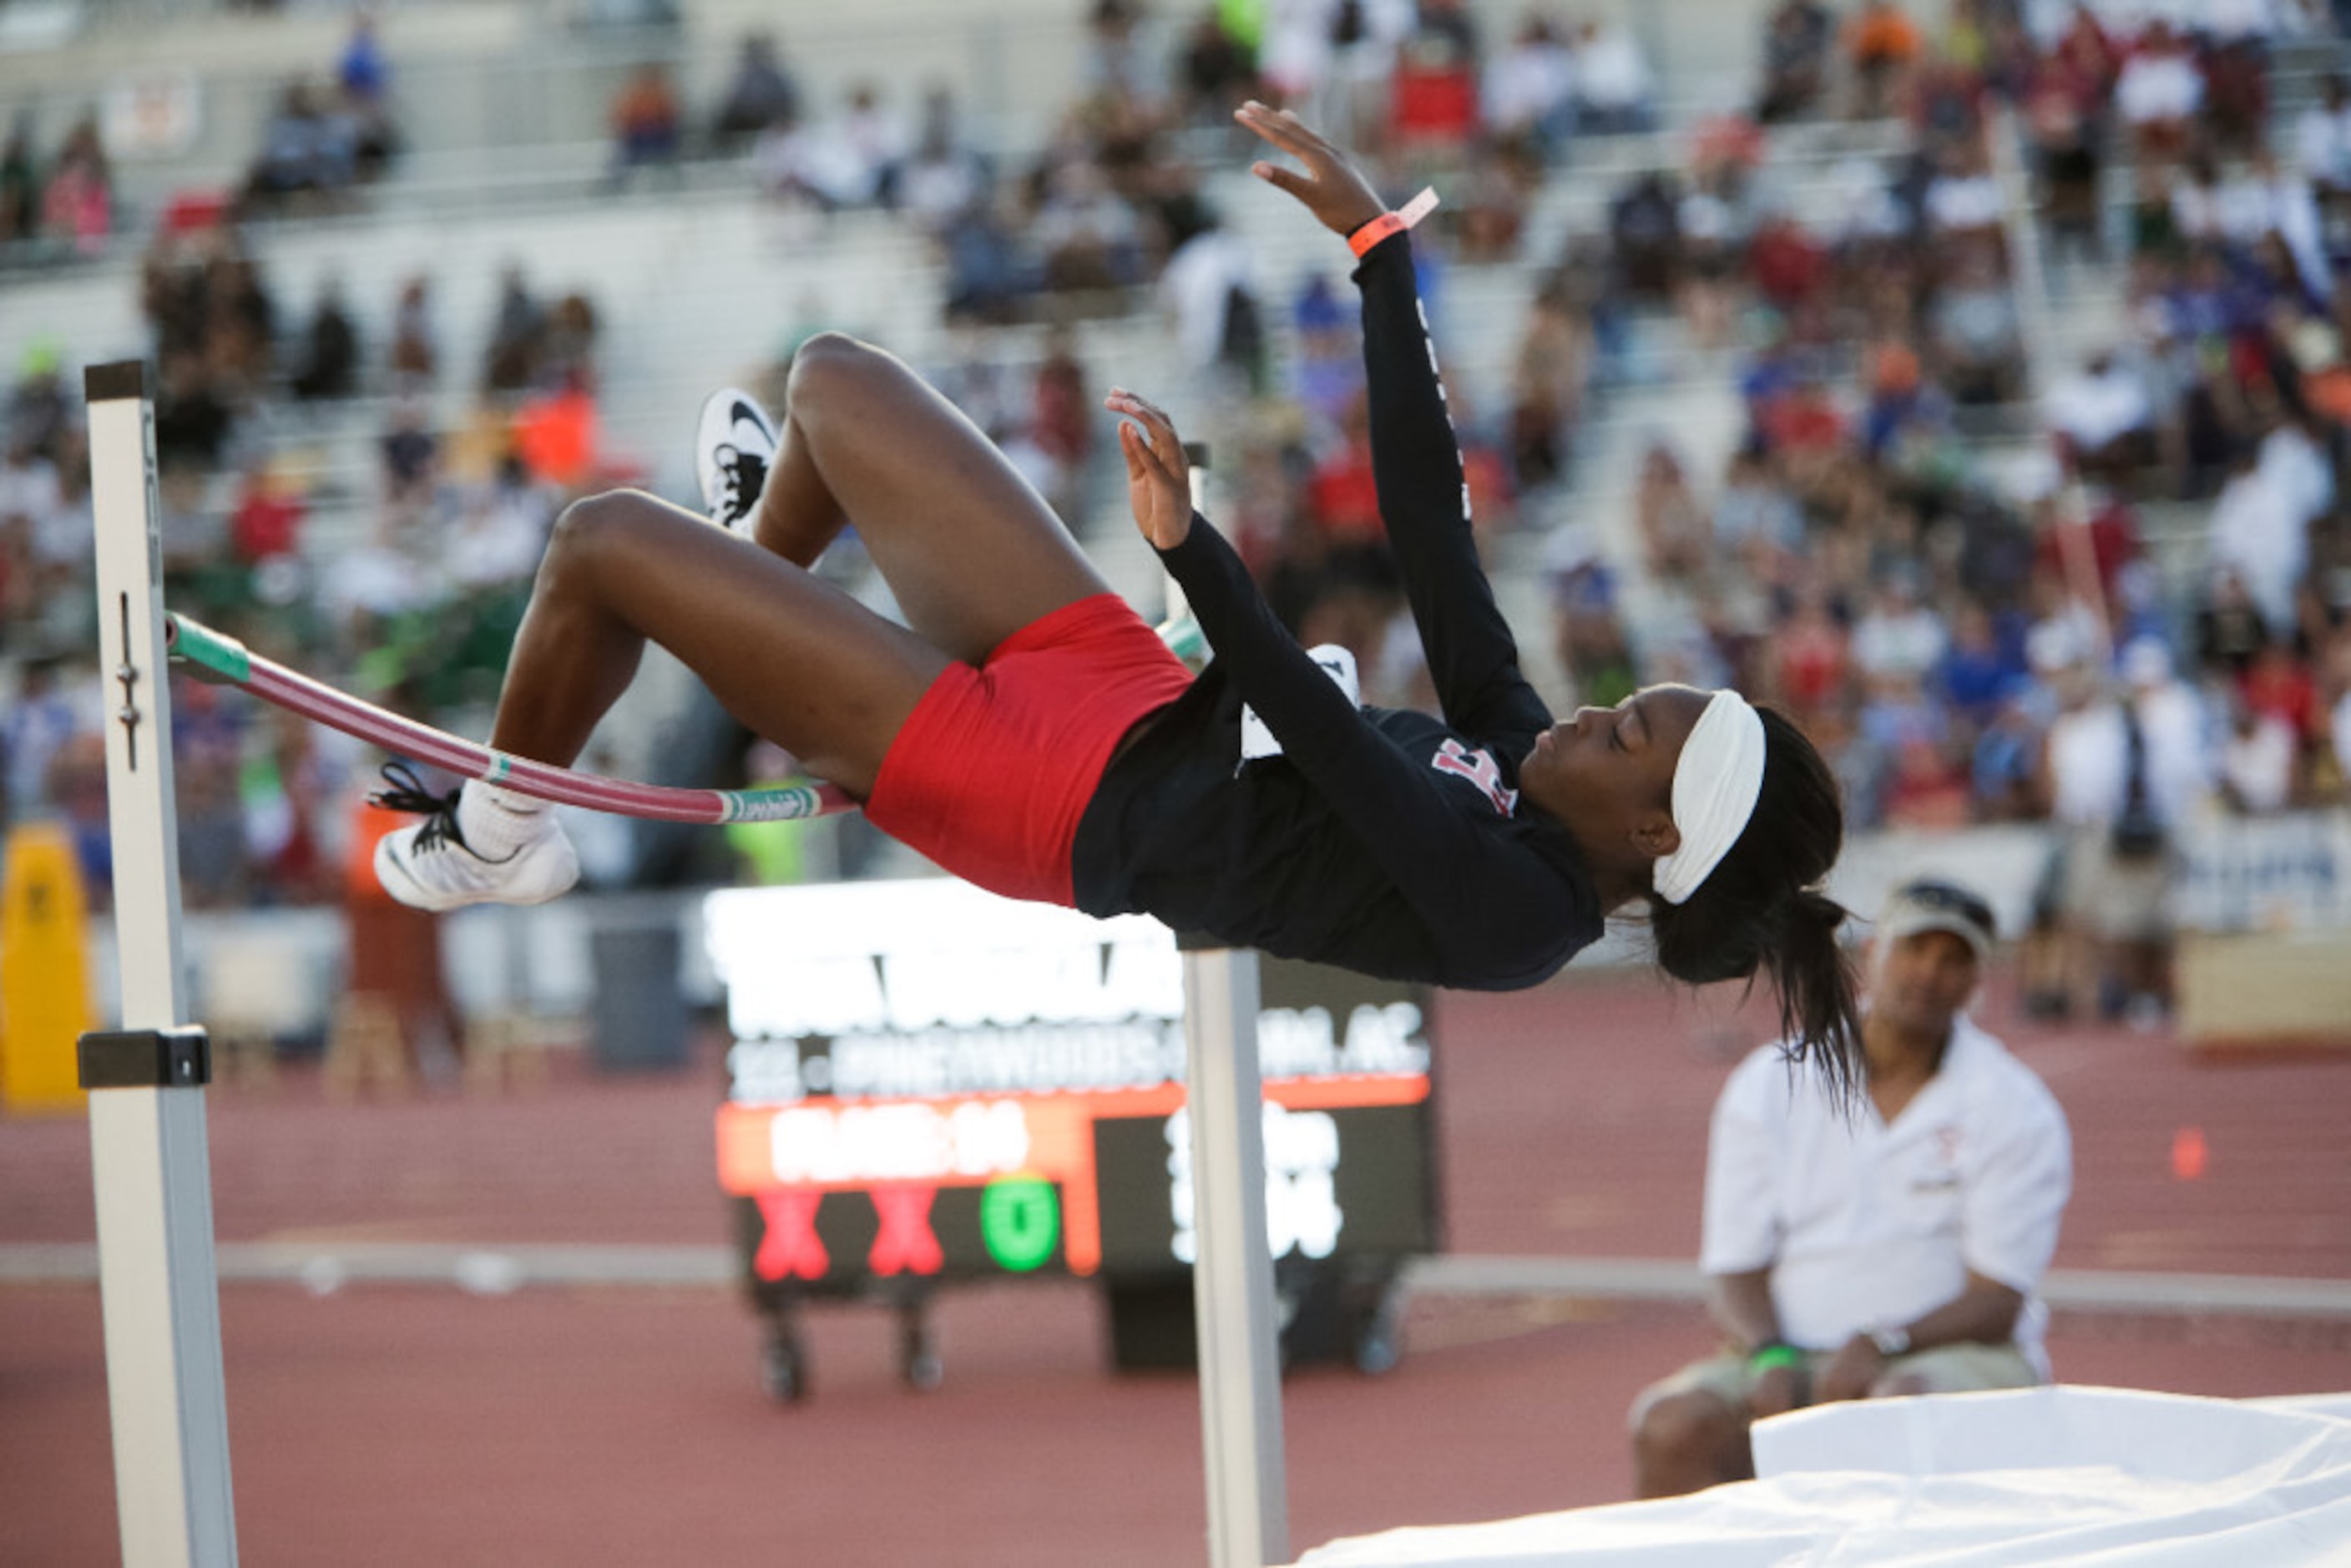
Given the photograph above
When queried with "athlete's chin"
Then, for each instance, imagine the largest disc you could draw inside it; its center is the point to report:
(1549, 788)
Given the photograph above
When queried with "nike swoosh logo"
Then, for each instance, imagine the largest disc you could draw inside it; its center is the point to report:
(394, 863)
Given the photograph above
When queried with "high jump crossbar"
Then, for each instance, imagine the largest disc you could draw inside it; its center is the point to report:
(214, 656)
(158, 1276)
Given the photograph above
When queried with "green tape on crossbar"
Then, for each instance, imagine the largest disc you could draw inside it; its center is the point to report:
(790, 803)
(212, 655)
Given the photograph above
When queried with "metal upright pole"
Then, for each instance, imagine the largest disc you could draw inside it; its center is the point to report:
(160, 1292)
(1232, 1275)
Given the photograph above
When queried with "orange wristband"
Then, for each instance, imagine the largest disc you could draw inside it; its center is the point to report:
(1386, 224)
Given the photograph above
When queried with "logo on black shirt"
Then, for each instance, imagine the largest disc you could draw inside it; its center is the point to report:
(1479, 768)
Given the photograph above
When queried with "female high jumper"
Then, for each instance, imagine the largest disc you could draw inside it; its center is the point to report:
(1028, 731)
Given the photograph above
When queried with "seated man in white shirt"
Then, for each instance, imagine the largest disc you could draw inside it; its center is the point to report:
(1892, 1249)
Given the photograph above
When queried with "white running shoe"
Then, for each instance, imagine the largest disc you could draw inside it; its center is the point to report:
(430, 866)
(733, 446)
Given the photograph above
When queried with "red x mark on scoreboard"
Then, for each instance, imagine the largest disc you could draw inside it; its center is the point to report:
(790, 1246)
(905, 1241)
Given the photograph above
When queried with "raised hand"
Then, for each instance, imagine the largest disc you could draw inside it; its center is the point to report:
(1158, 477)
(1333, 189)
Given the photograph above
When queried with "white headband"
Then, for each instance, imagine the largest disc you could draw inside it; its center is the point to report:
(1716, 782)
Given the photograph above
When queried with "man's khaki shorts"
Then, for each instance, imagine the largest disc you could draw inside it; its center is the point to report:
(1945, 1369)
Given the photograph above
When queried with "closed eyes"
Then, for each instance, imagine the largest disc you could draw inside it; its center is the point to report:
(1631, 713)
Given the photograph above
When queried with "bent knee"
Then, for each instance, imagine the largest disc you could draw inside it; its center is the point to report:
(828, 361)
(600, 526)
(592, 520)
(1680, 1425)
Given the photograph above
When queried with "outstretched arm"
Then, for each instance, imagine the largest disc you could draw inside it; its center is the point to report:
(1453, 875)
(1415, 458)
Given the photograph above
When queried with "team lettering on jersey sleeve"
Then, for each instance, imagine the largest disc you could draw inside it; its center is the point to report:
(1479, 768)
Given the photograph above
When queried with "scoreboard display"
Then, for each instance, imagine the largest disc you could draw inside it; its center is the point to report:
(929, 1082)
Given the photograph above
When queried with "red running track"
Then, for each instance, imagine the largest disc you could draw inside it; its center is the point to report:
(401, 1426)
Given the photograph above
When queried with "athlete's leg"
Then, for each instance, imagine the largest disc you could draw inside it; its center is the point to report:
(794, 658)
(970, 551)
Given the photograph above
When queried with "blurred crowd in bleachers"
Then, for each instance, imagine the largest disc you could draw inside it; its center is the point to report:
(1996, 578)
(57, 202)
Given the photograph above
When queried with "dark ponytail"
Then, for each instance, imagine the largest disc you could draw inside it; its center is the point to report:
(1759, 908)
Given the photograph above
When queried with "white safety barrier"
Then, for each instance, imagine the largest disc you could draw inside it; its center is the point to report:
(2045, 1476)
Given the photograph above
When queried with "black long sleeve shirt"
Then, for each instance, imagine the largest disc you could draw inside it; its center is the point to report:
(1384, 841)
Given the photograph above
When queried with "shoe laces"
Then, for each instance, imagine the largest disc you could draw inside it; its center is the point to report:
(742, 475)
(408, 793)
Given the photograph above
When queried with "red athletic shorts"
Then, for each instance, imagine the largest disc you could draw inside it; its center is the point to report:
(995, 766)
